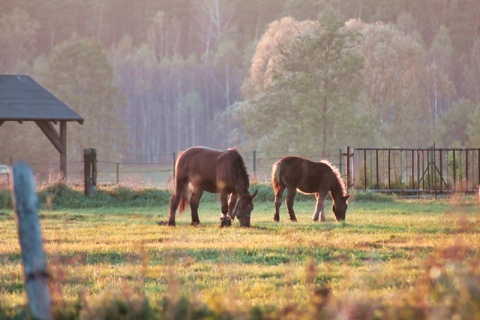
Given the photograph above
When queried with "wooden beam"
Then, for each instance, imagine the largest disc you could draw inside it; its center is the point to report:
(52, 134)
(63, 153)
(59, 141)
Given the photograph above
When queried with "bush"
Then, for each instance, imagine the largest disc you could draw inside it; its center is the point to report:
(59, 195)
(373, 196)
(266, 194)
(6, 199)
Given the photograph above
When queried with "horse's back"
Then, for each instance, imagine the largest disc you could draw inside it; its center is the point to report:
(206, 168)
(295, 172)
(197, 166)
(288, 171)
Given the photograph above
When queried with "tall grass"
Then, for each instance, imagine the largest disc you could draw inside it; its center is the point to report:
(109, 259)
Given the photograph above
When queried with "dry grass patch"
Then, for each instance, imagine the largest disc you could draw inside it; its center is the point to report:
(392, 260)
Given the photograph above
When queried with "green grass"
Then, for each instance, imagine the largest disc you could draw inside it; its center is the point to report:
(392, 258)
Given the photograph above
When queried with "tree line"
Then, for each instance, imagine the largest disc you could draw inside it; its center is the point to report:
(153, 77)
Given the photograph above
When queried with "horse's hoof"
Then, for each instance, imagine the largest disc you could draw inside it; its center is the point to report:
(226, 223)
(195, 223)
(276, 219)
(293, 220)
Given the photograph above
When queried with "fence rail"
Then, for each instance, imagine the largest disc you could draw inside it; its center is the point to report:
(396, 170)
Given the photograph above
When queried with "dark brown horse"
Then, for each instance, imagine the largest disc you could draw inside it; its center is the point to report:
(213, 171)
(307, 176)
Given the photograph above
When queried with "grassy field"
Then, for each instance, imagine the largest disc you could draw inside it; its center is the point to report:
(397, 259)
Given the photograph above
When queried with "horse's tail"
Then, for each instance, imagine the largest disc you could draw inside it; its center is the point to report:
(181, 186)
(183, 199)
(276, 176)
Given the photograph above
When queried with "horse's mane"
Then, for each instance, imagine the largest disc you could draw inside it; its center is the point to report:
(239, 165)
(338, 176)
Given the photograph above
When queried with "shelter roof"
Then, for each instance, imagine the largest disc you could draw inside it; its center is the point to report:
(23, 99)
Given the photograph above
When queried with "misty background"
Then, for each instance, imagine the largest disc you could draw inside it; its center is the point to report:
(305, 77)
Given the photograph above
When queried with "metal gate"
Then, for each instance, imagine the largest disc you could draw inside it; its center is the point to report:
(428, 170)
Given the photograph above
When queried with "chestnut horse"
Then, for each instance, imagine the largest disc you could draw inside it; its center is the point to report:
(213, 171)
(320, 178)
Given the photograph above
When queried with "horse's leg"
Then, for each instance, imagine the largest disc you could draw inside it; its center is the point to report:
(224, 220)
(278, 203)
(194, 202)
(290, 199)
(231, 205)
(319, 206)
(174, 201)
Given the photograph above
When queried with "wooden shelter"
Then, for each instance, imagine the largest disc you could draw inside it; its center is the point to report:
(23, 99)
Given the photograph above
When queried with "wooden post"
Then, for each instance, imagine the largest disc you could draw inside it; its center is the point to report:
(349, 168)
(63, 152)
(90, 171)
(33, 258)
(389, 168)
(365, 167)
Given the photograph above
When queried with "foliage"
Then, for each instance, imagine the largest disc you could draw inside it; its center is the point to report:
(298, 100)
(265, 194)
(373, 196)
(18, 32)
(58, 195)
(473, 125)
(392, 79)
(456, 125)
(80, 74)
(181, 65)
(5, 199)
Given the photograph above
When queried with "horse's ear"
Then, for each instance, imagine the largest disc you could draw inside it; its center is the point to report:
(346, 197)
(254, 194)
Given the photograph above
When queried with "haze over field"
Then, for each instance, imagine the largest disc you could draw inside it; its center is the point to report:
(154, 77)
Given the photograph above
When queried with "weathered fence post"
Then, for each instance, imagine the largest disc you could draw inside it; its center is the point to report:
(33, 258)
(90, 171)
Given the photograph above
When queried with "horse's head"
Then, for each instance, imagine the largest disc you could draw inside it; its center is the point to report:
(243, 209)
(340, 206)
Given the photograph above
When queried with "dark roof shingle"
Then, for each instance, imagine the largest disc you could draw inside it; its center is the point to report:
(23, 99)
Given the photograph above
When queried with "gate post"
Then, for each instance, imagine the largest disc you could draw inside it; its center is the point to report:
(349, 168)
(90, 171)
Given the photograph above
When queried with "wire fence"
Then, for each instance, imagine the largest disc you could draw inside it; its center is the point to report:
(393, 170)
(156, 174)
